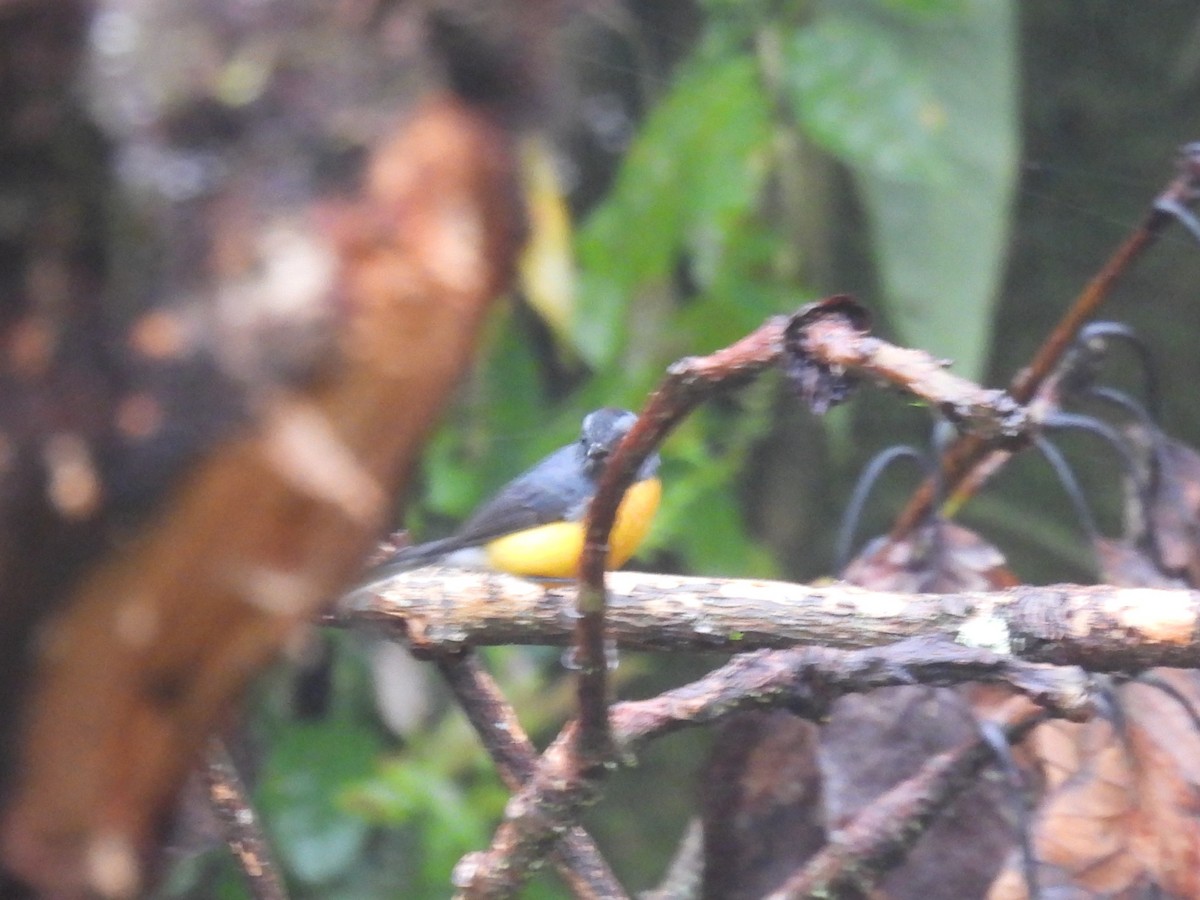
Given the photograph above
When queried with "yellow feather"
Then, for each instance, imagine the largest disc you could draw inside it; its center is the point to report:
(547, 267)
(552, 551)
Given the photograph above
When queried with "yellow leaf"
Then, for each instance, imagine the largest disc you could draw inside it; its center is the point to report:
(547, 268)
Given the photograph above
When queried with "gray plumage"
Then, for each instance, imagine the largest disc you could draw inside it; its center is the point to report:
(557, 488)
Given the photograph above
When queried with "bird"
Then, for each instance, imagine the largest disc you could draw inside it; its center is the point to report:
(534, 525)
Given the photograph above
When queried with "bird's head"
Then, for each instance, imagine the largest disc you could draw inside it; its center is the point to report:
(603, 429)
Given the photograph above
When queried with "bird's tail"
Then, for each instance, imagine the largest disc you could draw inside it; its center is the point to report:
(405, 560)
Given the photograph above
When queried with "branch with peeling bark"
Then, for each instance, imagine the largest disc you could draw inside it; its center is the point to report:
(441, 608)
(1100, 627)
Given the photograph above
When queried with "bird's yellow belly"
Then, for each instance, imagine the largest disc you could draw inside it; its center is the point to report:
(552, 551)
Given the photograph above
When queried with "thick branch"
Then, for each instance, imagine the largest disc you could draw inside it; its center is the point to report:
(1098, 627)
(157, 641)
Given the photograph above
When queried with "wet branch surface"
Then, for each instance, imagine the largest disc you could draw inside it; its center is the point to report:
(1100, 627)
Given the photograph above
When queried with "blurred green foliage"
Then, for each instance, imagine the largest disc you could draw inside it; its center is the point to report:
(692, 247)
(689, 250)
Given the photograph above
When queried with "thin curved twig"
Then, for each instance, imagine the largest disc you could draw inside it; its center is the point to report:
(970, 450)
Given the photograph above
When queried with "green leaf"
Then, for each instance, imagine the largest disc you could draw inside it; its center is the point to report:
(453, 484)
(700, 515)
(712, 534)
(941, 246)
(451, 820)
(924, 110)
(924, 7)
(740, 294)
(858, 96)
(689, 179)
(307, 768)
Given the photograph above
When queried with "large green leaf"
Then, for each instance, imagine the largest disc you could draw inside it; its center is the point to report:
(858, 95)
(452, 820)
(306, 771)
(923, 108)
(691, 176)
(502, 428)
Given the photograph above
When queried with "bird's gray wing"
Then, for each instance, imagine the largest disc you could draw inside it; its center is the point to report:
(555, 488)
